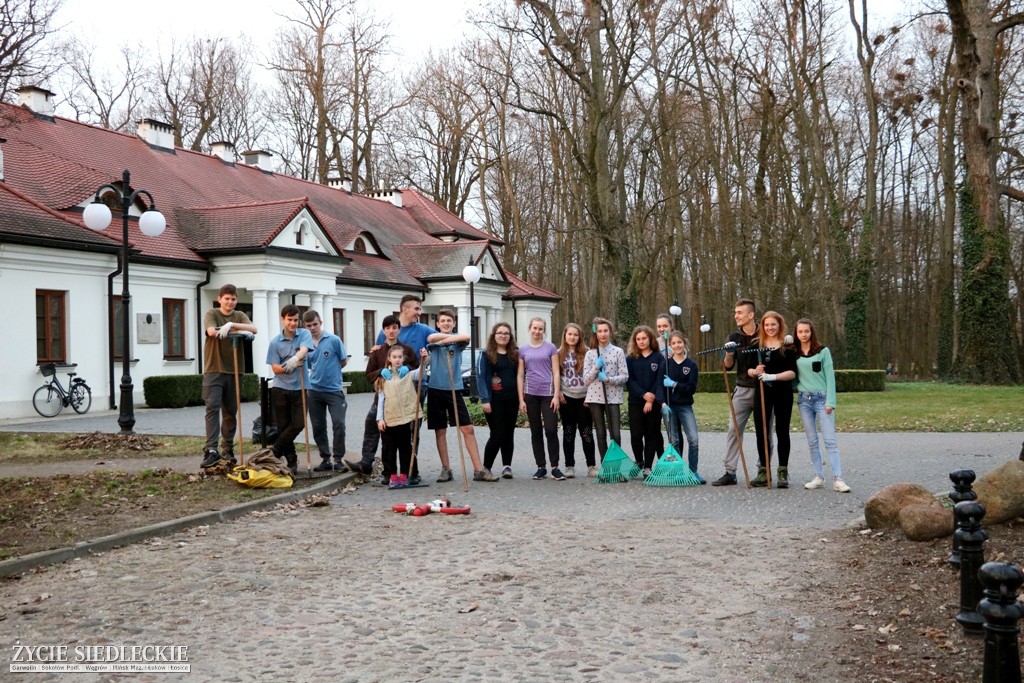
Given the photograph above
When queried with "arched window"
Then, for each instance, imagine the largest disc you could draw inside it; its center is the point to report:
(359, 245)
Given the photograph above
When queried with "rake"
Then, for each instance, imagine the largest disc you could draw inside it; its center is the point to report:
(670, 470)
(616, 466)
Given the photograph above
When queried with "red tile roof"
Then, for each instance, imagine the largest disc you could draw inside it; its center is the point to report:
(25, 220)
(212, 205)
(521, 289)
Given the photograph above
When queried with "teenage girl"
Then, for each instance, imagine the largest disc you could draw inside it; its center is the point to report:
(816, 398)
(539, 396)
(646, 368)
(604, 371)
(499, 398)
(575, 415)
(775, 373)
(680, 384)
(396, 411)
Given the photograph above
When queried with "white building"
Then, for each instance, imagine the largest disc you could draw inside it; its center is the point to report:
(277, 238)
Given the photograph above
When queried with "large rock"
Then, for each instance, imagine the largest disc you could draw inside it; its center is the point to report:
(1001, 491)
(882, 509)
(925, 521)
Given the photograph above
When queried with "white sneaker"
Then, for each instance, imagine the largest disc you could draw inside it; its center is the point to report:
(570, 472)
(839, 486)
(815, 483)
(591, 471)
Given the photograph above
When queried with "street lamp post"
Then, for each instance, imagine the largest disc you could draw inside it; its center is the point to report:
(676, 310)
(97, 217)
(471, 274)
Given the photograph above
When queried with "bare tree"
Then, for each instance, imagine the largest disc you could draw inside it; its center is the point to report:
(24, 53)
(985, 330)
(95, 95)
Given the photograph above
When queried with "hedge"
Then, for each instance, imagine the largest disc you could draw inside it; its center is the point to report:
(178, 391)
(846, 381)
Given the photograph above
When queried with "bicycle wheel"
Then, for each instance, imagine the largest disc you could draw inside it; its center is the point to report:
(47, 401)
(81, 398)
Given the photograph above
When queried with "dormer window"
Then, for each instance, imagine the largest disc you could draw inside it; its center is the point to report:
(364, 243)
(359, 245)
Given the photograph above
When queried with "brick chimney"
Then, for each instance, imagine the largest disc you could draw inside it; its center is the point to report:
(157, 133)
(38, 100)
(260, 158)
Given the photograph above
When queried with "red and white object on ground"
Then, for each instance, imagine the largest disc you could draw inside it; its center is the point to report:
(442, 505)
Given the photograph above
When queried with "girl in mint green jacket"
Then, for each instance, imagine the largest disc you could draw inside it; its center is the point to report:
(816, 398)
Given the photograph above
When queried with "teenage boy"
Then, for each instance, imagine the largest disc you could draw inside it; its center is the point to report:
(286, 355)
(744, 392)
(441, 411)
(219, 374)
(325, 392)
(412, 332)
(377, 361)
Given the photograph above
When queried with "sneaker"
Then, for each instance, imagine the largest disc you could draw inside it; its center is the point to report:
(782, 481)
(839, 486)
(357, 467)
(647, 472)
(385, 481)
(210, 459)
(484, 475)
(592, 471)
(761, 480)
(815, 483)
(570, 472)
(324, 466)
(557, 474)
(415, 480)
(506, 473)
(230, 457)
(340, 466)
(541, 473)
(727, 479)
(446, 475)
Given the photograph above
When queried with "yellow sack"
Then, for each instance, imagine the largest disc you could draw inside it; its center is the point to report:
(260, 479)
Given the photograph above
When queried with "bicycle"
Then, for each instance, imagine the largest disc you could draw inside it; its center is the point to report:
(52, 397)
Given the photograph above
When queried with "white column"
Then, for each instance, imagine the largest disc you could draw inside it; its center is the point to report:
(262, 341)
(273, 312)
(464, 319)
(316, 302)
(328, 314)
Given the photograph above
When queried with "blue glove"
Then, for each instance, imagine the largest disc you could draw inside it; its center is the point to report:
(603, 376)
(386, 373)
(668, 382)
(402, 372)
(599, 364)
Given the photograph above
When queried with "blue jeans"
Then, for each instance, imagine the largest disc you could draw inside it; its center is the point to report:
(319, 404)
(682, 422)
(812, 404)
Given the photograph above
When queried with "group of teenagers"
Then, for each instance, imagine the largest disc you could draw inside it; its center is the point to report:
(580, 382)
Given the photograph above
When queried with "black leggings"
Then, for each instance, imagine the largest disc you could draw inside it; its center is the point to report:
(645, 434)
(397, 440)
(778, 402)
(612, 413)
(502, 423)
(543, 426)
(575, 415)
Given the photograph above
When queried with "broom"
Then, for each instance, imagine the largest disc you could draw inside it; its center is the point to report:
(617, 466)
(670, 470)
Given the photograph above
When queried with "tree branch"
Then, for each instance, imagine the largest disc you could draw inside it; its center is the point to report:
(1012, 193)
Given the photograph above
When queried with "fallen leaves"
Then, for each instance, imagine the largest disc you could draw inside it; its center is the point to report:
(101, 441)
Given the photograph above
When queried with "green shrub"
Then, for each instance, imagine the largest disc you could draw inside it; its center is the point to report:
(178, 391)
(357, 382)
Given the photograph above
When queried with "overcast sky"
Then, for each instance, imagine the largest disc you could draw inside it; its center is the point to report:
(418, 25)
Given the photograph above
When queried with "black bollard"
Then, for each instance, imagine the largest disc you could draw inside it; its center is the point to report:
(962, 480)
(972, 537)
(1001, 611)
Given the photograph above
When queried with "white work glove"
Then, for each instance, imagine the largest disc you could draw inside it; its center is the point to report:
(225, 329)
(767, 377)
(730, 346)
(247, 335)
(292, 363)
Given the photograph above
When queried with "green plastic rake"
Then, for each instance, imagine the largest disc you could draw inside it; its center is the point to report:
(670, 470)
(616, 466)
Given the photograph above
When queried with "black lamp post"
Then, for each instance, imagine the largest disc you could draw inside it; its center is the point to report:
(97, 217)
(471, 274)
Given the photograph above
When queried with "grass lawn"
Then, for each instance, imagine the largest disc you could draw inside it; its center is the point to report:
(903, 407)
